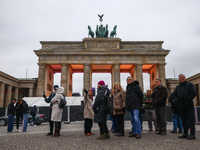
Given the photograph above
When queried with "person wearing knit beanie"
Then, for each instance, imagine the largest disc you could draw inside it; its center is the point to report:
(101, 82)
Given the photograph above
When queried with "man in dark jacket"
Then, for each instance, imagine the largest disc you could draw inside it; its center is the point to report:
(185, 93)
(134, 96)
(33, 114)
(176, 113)
(25, 115)
(48, 100)
(159, 96)
(11, 114)
(99, 107)
(19, 114)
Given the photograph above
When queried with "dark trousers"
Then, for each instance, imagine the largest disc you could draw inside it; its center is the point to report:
(103, 128)
(120, 122)
(17, 120)
(161, 118)
(88, 125)
(51, 123)
(188, 119)
(10, 123)
(57, 125)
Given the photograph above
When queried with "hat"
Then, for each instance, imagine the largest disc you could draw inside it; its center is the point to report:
(101, 82)
(55, 87)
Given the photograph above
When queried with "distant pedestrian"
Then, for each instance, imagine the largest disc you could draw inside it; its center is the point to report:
(88, 112)
(185, 93)
(159, 96)
(11, 114)
(99, 107)
(33, 114)
(56, 115)
(133, 105)
(48, 100)
(150, 110)
(19, 114)
(25, 115)
(119, 107)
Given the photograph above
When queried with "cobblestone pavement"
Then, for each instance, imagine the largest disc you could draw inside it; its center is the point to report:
(72, 138)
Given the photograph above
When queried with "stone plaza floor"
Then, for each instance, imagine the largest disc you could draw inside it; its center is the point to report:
(73, 138)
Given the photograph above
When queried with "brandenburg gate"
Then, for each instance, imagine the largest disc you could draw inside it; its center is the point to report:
(100, 54)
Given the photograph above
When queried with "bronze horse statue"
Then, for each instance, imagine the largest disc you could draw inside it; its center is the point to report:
(90, 32)
(113, 33)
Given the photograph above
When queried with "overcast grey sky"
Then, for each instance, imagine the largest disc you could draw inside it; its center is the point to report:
(23, 23)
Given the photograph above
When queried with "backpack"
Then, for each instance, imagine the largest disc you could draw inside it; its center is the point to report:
(109, 106)
(63, 102)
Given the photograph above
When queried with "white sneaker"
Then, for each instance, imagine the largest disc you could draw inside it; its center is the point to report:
(20, 131)
(35, 125)
(16, 130)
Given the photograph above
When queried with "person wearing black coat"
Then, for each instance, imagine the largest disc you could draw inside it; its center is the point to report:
(134, 97)
(11, 114)
(19, 114)
(185, 93)
(99, 107)
(25, 115)
(159, 96)
(176, 113)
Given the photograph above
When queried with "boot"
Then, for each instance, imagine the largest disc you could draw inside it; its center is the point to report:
(58, 132)
(107, 135)
(101, 137)
(55, 133)
(49, 134)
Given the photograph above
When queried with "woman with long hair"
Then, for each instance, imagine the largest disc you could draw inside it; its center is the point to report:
(119, 107)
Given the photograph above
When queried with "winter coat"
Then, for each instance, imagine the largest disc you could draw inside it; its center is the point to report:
(159, 96)
(88, 111)
(134, 96)
(19, 109)
(33, 111)
(11, 109)
(99, 106)
(119, 99)
(175, 104)
(25, 107)
(148, 101)
(185, 93)
(56, 114)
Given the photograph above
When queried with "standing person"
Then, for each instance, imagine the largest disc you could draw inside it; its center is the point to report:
(11, 114)
(19, 114)
(99, 108)
(119, 107)
(150, 111)
(176, 114)
(133, 104)
(48, 100)
(88, 112)
(56, 115)
(33, 113)
(159, 96)
(25, 115)
(185, 93)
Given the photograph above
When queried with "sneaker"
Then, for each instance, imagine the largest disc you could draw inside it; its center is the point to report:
(49, 134)
(132, 135)
(107, 136)
(173, 131)
(35, 125)
(120, 134)
(87, 134)
(159, 132)
(101, 137)
(17, 130)
(138, 136)
(20, 131)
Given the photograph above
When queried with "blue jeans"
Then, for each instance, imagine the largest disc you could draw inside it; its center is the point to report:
(25, 122)
(177, 122)
(10, 123)
(135, 121)
(114, 123)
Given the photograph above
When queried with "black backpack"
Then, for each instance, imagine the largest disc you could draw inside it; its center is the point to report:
(109, 106)
(63, 102)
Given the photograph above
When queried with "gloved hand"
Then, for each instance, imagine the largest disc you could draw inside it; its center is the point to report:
(44, 96)
(123, 109)
(86, 92)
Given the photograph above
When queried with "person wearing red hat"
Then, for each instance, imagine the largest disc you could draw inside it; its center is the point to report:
(99, 106)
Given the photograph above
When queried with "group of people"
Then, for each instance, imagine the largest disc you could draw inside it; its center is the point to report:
(134, 101)
(20, 109)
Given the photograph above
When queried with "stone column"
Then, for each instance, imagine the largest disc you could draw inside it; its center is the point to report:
(2, 93)
(30, 92)
(161, 68)
(65, 78)
(139, 75)
(116, 73)
(41, 80)
(16, 93)
(8, 95)
(87, 77)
